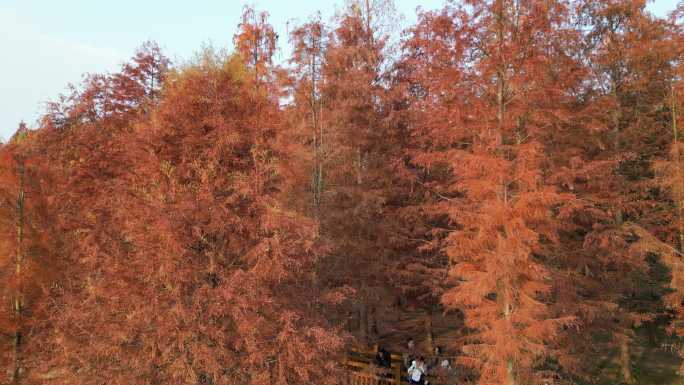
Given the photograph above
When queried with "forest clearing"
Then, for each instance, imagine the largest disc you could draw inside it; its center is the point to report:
(492, 196)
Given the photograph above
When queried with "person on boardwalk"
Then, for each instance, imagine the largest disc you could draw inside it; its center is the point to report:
(443, 373)
(410, 354)
(383, 361)
(436, 359)
(383, 358)
(417, 372)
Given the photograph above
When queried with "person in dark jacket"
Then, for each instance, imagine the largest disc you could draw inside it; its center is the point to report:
(436, 358)
(383, 358)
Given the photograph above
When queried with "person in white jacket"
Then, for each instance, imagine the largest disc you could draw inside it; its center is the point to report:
(417, 372)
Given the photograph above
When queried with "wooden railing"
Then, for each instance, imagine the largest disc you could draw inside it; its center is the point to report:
(360, 369)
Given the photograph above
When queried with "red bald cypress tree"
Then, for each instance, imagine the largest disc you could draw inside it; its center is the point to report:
(488, 90)
(501, 171)
(305, 115)
(355, 155)
(253, 258)
(617, 135)
(669, 173)
(336, 85)
(112, 100)
(256, 42)
(90, 150)
(29, 265)
(197, 271)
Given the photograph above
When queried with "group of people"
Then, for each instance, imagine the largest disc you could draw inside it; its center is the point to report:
(417, 367)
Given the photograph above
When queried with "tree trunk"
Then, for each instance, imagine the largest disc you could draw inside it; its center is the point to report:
(19, 259)
(678, 165)
(363, 324)
(349, 320)
(510, 364)
(510, 374)
(315, 134)
(359, 166)
(500, 115)
(429, 337)
(368, 16)
(625, 362)
(373, 322)
(319, 185)
(616, 117)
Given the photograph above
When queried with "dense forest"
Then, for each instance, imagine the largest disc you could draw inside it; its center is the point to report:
(502, 180)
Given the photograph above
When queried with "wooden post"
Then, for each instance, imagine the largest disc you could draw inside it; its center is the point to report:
(397, 373)
(345, 372)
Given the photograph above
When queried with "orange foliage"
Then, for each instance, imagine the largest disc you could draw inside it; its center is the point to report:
(516, 163)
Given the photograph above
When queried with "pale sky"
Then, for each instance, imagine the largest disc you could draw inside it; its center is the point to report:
(48, 43)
